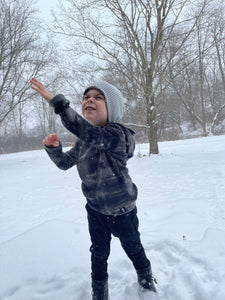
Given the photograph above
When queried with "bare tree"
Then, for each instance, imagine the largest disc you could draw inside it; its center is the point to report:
(218, 34)
(22, 53)
(133, 37)
(201, 53)
(190, 84)
(200, 84)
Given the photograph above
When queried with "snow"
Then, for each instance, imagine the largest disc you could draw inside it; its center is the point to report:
(44, 240)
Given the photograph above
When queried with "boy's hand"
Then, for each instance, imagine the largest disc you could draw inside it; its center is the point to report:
(38, 87)
(51, 140)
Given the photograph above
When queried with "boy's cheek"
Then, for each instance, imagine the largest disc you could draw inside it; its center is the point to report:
(83, 111)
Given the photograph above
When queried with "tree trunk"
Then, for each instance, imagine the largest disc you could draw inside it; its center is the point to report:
(153, 141)
(152, 128)
(201, 79)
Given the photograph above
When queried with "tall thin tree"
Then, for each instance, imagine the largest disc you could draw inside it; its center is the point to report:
(133, 37)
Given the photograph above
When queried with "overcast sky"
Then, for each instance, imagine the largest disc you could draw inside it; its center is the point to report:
(45, 7)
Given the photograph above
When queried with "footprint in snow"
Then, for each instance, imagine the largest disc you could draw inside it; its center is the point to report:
(180, 274)
(50, 285)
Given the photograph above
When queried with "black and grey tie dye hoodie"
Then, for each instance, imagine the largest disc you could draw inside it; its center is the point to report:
(100, 154)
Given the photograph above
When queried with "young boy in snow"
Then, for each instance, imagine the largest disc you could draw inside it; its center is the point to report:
(100, 154)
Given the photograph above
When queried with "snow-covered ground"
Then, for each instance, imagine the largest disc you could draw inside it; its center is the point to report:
(44, 240)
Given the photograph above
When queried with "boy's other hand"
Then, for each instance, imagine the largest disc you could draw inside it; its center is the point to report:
(39, 87)
(51, 140)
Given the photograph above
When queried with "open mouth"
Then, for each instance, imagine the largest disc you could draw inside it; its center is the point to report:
(89, 108)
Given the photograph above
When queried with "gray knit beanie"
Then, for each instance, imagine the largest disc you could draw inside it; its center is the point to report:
(114, 100)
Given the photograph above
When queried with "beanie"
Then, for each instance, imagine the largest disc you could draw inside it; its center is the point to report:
(114, 100)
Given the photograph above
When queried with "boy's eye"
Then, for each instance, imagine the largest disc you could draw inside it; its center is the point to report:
(85, 98)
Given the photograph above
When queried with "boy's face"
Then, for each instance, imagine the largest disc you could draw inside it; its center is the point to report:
(94, 108)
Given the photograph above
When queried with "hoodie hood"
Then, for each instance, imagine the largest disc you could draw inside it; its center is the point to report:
(130, 142)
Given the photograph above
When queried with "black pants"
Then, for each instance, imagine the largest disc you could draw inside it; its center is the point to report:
(125, 227)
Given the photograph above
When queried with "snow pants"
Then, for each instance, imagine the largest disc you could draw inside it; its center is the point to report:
(125, 227)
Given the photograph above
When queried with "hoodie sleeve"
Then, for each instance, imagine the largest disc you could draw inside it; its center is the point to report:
(63, 160)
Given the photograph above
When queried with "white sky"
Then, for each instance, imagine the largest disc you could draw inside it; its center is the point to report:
(45, 7)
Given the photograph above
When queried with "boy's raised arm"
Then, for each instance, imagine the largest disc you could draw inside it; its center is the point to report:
(40, 89)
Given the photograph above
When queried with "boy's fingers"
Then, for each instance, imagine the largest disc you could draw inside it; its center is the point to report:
(39, 87)
(35, 81)
(37, 84)
(51, 140)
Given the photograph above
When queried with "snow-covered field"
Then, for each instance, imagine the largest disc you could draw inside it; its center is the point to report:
(44, 241)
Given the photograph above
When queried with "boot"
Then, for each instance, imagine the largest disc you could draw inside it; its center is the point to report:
(146, 280)
(100, 289)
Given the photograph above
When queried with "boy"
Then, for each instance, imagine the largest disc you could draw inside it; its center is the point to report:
(101, 153)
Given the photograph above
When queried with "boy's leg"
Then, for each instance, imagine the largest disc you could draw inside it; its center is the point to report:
(100, 289)
(126, 229)
(100, 248)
